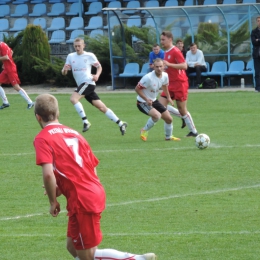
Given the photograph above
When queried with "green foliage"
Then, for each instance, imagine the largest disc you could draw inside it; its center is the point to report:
(34, 43)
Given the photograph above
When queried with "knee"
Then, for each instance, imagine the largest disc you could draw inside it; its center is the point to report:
(156, 117)
(73, 100)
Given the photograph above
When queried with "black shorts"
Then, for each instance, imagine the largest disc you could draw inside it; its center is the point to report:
(88, 91)
(144, 108)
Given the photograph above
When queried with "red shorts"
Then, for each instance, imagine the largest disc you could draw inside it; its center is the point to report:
(178, 90)
(9, 78)
(84, 229)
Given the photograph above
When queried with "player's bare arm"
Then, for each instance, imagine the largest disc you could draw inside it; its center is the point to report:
(139, 91)
(179, 66)
(5, 57)
(166, 91)
(49, 181)
(65, 69)
(96, 76)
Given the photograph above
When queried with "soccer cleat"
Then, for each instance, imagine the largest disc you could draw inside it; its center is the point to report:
(86, 127)
(150, 256)
(4, 106)
(144, 135)
(123, 128)
(183, 123)
(172, 138)
(30, 105)
(190, 134)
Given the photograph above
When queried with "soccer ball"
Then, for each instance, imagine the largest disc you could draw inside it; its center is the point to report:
(202, 141)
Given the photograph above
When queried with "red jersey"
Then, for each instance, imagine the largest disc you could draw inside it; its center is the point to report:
(175, 56)
(9, 65)
(73, 163)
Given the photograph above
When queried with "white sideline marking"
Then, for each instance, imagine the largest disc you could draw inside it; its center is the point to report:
(212, 145)
(188, 233)
(147, 200)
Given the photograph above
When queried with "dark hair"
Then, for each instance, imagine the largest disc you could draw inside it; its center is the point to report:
(179, 40)
(193, 44)
(168, 34)
(156, 45)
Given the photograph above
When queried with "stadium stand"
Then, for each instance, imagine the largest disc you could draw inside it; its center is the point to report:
(95, 22)
(94, 8)
(144, 70)
(130, 70)
(20, 10)
(74, 34)
(113, 4)
(74, 9)
(2, 34)
(76, 23)
(4, 10)
(57, 36)
(4, 25)
(57, 23)
(219, 68)
(41, 22)
(235, 69)
(57, 9)
(134, 20)
(19, 24)
(38, 10)
(94, 33)
(131, 4)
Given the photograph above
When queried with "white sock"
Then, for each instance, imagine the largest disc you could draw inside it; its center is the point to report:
(189, 122)
(77, 258)
(173, 111)
(25, 96)
(111, 115)
(79, 108)
(150, 123)
(3, 96)
(168, 129)
(104, 254)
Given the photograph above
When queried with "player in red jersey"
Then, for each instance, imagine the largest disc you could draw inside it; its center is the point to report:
(9, 76)
(175, 66)
(69, 168)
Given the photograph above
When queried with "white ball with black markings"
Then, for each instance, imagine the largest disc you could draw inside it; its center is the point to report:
(202, 141)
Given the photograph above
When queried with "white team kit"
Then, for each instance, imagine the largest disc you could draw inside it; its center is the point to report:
(81, 66)
(151, 85)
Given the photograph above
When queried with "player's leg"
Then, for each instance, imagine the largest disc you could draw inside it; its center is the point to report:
(4, 98)
(24, 95)
(182, 106)
(173, 111)
(94, 99)
(75, 100)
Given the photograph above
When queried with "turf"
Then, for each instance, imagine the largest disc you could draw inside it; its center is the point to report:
(165, 197)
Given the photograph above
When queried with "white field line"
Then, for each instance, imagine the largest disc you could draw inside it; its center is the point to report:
(146, 234)
(146, 200)
(212, 146)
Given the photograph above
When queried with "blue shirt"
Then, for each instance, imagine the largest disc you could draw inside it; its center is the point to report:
(153, 56)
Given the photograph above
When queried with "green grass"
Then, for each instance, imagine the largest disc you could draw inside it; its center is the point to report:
(166, 197)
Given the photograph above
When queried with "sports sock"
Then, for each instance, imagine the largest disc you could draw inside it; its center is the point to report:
(173, 111)
(3, 96)
(25, 96)
(103, 254)
(79, 108)
(150, 123)
(168, 129)
(77, 258)
(111, 115)
(189, 122)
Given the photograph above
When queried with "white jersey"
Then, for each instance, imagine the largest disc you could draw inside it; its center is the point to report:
(81, 66)
(151, 85)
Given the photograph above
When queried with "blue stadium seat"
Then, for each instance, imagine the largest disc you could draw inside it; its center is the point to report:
(153, 3)
(188, 3)
(74, 34)
(56, 1)
(249, 70)
(130, 70)
(2, 35)
(74, 9)
(72, 1)
(210, 2)
(38, 10)
(16, 33)
(38, 1)
(96, 32)
(171, 3)
(90, 1)
(94, 8)
(76, 23)
(19, 24)
(4, 2)
(57, 9)
(18, 2)
(230, 2)
(134, 20)
(131, 4)
(249, 1)
(144, 70)
(113, 22)
(4, 24)
(95, 22)
(235, 69)
(4, 10)
(219, 68)
(20, 10)
(114, 4)
(57, 36)
(57, 23)
(40, 21)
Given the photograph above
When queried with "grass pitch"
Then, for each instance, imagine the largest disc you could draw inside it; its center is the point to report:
(165, 197)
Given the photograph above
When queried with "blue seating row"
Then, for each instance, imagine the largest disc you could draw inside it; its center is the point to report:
(220, 69)
(133, 70)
